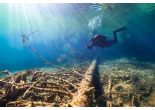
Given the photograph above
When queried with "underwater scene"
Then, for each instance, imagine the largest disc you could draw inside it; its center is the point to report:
(77, 55)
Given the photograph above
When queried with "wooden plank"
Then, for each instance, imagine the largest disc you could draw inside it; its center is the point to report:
(85, 94)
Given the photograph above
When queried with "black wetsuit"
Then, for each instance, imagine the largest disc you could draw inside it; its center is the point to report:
(102, 41)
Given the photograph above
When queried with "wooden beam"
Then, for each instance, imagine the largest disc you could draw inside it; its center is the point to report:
(85, 94)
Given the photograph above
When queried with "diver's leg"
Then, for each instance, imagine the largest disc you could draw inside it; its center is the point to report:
(115, 35)
(120, 29)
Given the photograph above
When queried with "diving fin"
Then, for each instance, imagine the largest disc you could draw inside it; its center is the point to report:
(121, 29)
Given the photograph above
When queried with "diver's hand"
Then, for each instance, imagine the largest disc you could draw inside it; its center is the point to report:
(89, 46)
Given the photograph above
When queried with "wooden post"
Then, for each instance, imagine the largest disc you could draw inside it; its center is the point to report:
(85, 95)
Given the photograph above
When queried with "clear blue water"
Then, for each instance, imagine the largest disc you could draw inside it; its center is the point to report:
(65, 30)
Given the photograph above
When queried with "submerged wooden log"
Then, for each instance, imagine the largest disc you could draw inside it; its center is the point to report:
(31, 87)
(37, 89)
(22, 103)
(5, 72)
(85, 93)
(60, 79)
(48, 89)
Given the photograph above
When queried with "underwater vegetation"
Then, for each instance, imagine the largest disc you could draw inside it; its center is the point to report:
(45, 60)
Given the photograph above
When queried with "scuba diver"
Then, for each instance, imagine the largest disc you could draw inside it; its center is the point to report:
(102, 41)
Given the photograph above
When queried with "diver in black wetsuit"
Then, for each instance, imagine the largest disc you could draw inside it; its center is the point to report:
(101, 40)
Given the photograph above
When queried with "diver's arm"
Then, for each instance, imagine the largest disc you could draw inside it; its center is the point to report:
(90, 45)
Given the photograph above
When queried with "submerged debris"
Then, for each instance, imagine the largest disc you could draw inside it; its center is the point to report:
(124, 83)
(38, 88)
(5, 72)
(127, 83)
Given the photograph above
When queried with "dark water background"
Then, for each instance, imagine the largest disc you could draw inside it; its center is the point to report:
(65, 29)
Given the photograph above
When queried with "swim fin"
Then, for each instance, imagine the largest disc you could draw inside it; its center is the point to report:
(121, 29)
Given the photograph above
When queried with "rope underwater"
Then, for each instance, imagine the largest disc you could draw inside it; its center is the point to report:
(25, 40)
